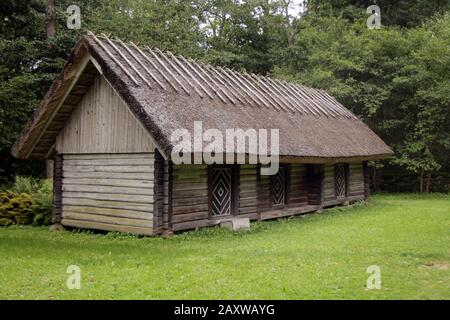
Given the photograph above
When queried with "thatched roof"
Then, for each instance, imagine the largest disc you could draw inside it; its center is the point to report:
(168, 92)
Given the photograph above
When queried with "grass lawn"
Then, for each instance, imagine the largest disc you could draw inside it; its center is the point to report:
(318, 256)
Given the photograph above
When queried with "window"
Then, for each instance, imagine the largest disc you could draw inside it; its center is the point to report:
(221, 191)
(279, 187)
(340, 174)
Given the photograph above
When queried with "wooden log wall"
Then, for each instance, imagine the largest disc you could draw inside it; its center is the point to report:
(248, 191)
(103, 123)
(314, 181)
(158, 194)
(167, 195)
(190, 207)
(356, 189)
(297, 185)
(329, 185)
(113, 192)
(264, 192)
(57, 188)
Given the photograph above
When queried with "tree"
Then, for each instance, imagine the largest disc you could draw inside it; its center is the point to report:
(402, 13)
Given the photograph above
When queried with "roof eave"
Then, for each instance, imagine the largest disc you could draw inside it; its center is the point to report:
(32, 131)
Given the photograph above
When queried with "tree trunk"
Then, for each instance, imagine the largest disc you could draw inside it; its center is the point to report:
(376, 179)
(421, 182)
(50, 21)
(427, 185)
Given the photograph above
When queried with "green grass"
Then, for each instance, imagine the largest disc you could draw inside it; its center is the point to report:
(318, 256)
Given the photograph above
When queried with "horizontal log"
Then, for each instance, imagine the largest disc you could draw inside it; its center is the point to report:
(247, 210)
(190, 187)
(112, 175)
(189, 194)
(189, 201)
(180, 210)
(189, 167)
(248, 172)
(110, 162)
(143, 169)
(248, 192)
(335, 201)
(193, 224)
(248, 202)
(252, 216)
(190, 217)
(278, 213)
(107, 219)
(108, 156)
(112, 197)
(251, 178)
(248, 166)
(298, 198)
(356, 198)
(107, 204)
(106, 227)
(189, 176)
(107, 189)
(122, 213)
(199, 179)
(110, 182)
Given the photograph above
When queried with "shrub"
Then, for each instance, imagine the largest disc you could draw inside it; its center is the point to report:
(15, 208)
(28, 201)
(28, 185)
(43, 204)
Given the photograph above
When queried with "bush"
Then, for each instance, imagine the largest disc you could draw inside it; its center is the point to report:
(28, 185)
(28, 201)
(43, 204)
(15, 208)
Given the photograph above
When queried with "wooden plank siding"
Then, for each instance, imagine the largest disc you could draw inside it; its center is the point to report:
(189, 197)
(329, 186)
(355, 189)
(248, 191)
(314, 182)
(102, 123)
(104, 192)
(356, 180)
(167, 195)
(296, 194)
(158, 194)
(297, 187)
(264, 193)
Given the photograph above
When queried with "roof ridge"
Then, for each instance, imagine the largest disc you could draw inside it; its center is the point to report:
(145, 66)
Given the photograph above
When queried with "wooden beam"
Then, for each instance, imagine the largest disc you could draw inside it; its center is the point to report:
(84, 62)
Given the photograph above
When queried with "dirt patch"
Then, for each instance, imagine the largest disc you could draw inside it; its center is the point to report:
(436, 265)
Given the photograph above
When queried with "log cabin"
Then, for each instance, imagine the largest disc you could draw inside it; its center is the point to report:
(107, 120)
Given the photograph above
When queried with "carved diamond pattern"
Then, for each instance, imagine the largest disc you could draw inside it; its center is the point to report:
(340, 181)
(279, 187)
(221, 191)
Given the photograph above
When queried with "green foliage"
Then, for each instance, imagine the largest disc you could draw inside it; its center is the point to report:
(403, 13)
(396, 80)
(43, 204)
(28, 201)
(27, 185)
(15, 209)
